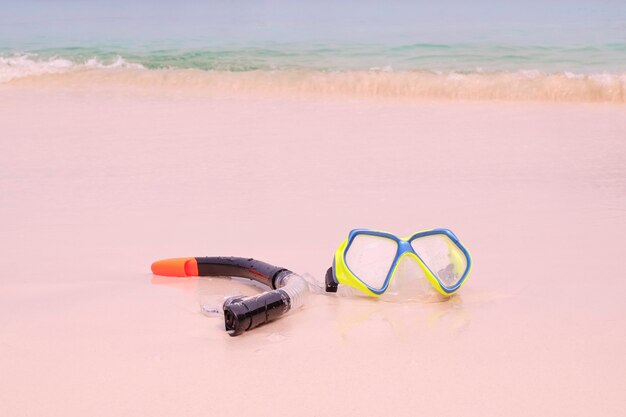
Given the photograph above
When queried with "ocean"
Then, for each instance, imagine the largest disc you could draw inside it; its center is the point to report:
(537, 50)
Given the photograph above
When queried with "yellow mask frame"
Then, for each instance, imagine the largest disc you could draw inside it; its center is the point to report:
(340, 272)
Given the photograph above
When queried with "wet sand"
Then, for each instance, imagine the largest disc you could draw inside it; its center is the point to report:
(94, 186)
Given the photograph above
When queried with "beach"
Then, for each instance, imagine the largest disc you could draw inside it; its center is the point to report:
(97, 181)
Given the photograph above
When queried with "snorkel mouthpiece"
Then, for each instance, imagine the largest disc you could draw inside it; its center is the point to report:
(245, 313)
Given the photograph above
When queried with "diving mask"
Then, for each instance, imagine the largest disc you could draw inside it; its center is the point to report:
(428, 265)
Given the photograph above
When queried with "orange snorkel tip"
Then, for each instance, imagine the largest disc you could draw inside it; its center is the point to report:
(176, 267)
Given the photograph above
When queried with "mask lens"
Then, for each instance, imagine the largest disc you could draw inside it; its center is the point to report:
(442, 256)
(370, 258)
(410, 284)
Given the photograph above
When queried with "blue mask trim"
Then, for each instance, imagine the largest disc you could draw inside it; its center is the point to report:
(404, 246)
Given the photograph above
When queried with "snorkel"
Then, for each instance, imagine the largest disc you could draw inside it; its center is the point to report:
(286, 293)
(428, 266)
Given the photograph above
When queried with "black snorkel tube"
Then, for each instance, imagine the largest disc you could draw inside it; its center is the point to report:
(287, 290)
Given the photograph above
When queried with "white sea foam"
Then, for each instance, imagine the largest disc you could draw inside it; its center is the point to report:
(28, 65)
(521, 85)
(386, 68)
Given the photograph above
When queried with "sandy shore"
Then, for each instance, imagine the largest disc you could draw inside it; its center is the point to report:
(95, 186)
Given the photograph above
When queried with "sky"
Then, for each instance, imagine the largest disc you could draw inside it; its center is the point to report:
(65, 22)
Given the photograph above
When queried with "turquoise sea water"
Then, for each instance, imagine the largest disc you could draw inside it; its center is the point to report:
(576, 38)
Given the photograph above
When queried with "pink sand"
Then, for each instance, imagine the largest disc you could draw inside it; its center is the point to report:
(96, 186)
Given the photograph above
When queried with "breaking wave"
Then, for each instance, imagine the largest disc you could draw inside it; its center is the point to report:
(521, 85)
(27, 65)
